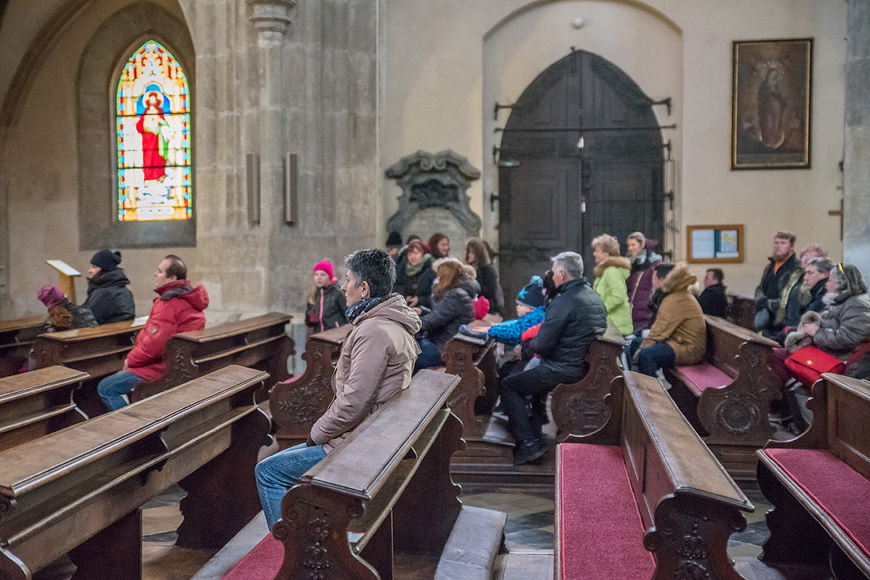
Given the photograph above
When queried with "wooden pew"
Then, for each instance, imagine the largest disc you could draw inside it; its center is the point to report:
(385, 490)
(296, 404)
(16, 337)
(260, 342)
(727, 398)
(819, 484)
(741, 311)
(78, 491)
(36, 403)
(688, 504)
(98, 351)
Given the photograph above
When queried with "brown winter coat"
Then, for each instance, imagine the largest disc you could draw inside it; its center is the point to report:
(680, 321)
(376, 362)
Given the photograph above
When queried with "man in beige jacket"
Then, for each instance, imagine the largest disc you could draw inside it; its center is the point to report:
(376, 361)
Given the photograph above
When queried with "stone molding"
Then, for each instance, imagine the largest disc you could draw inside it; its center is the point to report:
(271, 17)
(439, 180)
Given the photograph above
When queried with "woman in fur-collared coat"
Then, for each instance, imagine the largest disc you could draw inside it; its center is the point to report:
(611, 273)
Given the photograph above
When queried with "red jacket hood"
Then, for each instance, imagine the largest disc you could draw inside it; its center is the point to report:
(197, 297)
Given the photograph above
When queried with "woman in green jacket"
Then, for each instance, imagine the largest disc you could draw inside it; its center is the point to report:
(611, 272)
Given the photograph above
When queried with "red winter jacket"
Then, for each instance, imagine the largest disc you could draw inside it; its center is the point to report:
(178, 309)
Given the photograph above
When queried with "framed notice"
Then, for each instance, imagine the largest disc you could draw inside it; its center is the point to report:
(715, 244)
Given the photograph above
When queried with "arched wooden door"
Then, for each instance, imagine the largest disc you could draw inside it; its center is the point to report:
(581, 155)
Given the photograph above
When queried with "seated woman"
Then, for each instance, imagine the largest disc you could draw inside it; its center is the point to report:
(639, 284)
(452, 306)
(411, 269)
(477, 255)
(611, 273)
(679, 334)
(376, 361)
(845, 323)
(62, 313)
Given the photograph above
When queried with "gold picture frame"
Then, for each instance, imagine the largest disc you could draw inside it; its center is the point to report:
(771, 98)
(715, 244)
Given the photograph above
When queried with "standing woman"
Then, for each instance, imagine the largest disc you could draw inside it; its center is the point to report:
(452, 306)
(476, 255)
(611, 272)
(326, 304)
(375, 362)
(411, 268)
(640, 281)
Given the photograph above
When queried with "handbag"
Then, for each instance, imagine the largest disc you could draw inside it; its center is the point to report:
(808, 363)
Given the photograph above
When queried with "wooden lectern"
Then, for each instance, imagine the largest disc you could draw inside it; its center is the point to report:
(67, 275)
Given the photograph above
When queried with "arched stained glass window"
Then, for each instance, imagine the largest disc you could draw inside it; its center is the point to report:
(153, 123)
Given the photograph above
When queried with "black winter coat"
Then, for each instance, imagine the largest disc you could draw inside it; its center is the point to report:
(714, 301)
(489, 287)
(572, 320)
(82, 317)
(328, 310)
(406, 285)
(108, 297)
(448, 313)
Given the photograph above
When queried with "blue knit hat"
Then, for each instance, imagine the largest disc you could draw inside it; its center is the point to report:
(533, 294)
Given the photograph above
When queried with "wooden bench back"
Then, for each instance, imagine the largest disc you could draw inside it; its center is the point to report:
(841, 406)
(741, 311)
(724, 340)
(59, 490)
(387, 484)
(36, 403)
(473, 360)
(19, 332)
(98, 351)
(664, 455)
(260, 342)
(296, 404)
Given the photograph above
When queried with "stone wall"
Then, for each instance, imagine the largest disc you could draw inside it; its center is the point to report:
(856, 167)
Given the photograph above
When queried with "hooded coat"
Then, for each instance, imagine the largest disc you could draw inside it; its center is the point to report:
(178, 308)
(109, 298)
(640, 289)
(448, 313)
(376, 361)
(680, 321)
(845, 325)
(610, 279)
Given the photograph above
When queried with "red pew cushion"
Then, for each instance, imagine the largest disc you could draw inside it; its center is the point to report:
(601, 535)
(839, 490)
(703, 376)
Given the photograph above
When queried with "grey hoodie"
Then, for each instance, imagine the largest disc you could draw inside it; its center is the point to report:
(376, 361)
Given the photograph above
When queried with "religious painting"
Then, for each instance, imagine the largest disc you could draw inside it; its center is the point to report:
(153, 124)
(770, 104)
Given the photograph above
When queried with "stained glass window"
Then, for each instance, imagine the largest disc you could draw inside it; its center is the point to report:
(153, 123)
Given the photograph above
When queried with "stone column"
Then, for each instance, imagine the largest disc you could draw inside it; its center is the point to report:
(856, 166)
(271, 19)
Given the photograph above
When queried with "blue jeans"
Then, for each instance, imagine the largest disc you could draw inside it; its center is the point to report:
(112, 387)
(430, 357)
(278, 473)
(654, 357)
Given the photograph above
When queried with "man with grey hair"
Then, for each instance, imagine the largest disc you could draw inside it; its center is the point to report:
(573, 319)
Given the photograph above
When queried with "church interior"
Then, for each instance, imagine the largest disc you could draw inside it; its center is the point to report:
(257, 138)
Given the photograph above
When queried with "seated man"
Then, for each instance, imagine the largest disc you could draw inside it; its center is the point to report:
(375, 362)
(713, 299)
(573, 319)
(679, 334)
(108, 296)
(179, 308)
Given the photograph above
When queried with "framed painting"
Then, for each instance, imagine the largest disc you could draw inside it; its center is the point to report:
(771, 96)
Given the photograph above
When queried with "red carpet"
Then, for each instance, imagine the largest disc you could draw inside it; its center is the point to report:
(261, 563)
(840, 490)
(602, 533)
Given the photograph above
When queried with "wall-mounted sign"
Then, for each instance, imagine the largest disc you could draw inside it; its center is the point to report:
(712, 244)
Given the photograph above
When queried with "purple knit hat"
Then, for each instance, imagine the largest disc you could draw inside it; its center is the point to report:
(51, 295)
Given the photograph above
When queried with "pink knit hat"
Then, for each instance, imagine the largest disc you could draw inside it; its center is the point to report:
(326, 266)
(51, 295)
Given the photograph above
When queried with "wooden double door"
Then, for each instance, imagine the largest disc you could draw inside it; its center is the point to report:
(581, 155)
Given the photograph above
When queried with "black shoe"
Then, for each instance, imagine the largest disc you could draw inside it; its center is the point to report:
(530, 450)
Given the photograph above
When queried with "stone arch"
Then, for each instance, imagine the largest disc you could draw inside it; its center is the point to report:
(101, 64)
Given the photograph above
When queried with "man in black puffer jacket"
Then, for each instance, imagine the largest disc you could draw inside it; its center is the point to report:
(572, 320)
(108, 296)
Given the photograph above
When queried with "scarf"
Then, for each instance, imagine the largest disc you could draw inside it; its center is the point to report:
(413, 270)
(363, 305)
